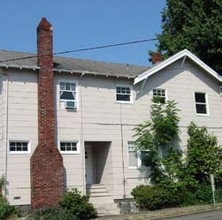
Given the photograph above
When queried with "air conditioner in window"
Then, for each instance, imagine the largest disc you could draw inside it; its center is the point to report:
(70, 105)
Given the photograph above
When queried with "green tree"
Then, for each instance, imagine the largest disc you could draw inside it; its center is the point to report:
(195, 25)
(158, 135)
(203, 154)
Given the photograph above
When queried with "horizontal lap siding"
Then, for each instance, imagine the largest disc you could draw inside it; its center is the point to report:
(2, 148)
(99, 116)
(22, 125)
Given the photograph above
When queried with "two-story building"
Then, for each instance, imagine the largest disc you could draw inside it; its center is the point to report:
(68, 123)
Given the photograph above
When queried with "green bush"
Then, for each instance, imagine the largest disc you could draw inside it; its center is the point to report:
(5, 209)
(158, 197)
(78, 205)
(52, 214)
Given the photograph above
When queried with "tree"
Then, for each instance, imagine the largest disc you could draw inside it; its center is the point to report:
(157, 135)
(195, 25)
(203, 154)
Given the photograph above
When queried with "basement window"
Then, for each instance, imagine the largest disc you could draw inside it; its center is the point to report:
(19, 147)
(68, 147)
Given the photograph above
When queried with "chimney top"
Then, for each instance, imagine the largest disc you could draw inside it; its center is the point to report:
(44, 25)
(156, 57)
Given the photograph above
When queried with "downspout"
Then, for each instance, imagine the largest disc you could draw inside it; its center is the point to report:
(81, 135)
(122, 151)
(6, 136)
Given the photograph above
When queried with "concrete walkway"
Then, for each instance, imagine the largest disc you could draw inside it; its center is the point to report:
(164, 213)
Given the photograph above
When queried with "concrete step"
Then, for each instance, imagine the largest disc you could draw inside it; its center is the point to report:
(97, 190)
(102, 201)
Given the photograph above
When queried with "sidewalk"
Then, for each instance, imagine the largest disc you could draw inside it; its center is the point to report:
(164, 213)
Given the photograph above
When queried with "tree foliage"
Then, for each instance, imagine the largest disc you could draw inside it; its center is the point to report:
(158, 135)
(195, 25)
(203, 154)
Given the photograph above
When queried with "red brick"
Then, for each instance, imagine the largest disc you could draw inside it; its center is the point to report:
(47, 171)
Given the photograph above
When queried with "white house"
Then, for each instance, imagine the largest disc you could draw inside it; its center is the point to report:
(86, 111)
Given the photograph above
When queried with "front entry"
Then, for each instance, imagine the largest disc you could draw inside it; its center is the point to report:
(97, 162)
(89, 164)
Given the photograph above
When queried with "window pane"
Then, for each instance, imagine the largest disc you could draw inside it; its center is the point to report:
(123, 93)
(62, 86)
(18, 146)
(67, 86)
(122, 97)
(73, 86)
(200, 97)
(201, 108)
(159, 96)
(67, 95)
(68, 146)
(144, 158)
(133, 160)
(12, 148)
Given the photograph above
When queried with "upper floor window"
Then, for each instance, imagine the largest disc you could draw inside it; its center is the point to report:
(19, 146)
(123, 94)
(137, 158)
(201, 103)
(69, 146)
(159, 96)
(67, 94)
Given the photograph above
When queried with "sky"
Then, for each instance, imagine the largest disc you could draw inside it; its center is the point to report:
(81, 24)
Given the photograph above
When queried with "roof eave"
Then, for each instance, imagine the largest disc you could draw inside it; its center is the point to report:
(167, 62)
(66, 71)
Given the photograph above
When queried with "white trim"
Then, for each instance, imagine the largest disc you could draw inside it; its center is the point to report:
(61, 102)
(19, 152)
(69, 152)
(138, 154)
(131, 93)
(160, 88)
(206, 104)
(173, 59)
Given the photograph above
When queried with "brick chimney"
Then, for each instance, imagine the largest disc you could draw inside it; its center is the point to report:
(156, 57)
(47, 171)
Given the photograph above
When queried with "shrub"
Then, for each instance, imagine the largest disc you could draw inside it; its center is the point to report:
(5, 209)
(158, 197)
(78, 205)
(52, 214)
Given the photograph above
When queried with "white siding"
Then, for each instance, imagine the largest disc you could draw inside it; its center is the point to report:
(99, 118)
(21, 119)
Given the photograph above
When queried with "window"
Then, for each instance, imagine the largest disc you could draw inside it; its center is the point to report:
(159, 96)
(137, 158)
(19, 147)
(67, 94)
(69, 147)
(123, 94)
(201, 103)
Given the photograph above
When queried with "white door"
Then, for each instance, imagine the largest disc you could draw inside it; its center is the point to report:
(89, 165)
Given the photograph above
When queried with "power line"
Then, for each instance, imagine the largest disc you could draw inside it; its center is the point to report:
(83, 49)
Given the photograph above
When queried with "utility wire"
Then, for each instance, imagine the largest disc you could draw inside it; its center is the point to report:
(83, 49)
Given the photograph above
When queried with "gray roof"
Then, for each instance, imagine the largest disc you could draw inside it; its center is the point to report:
(63, 64)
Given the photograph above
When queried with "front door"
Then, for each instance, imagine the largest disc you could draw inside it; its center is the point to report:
(88, 165)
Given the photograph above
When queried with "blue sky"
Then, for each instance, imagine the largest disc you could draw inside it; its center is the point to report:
(84, 23)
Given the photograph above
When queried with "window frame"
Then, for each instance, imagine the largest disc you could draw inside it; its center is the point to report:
(199, 103)
(71, 151)
(19, 152)
(161, 89)
(62, 102)
(130, 95)
(138, 155)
